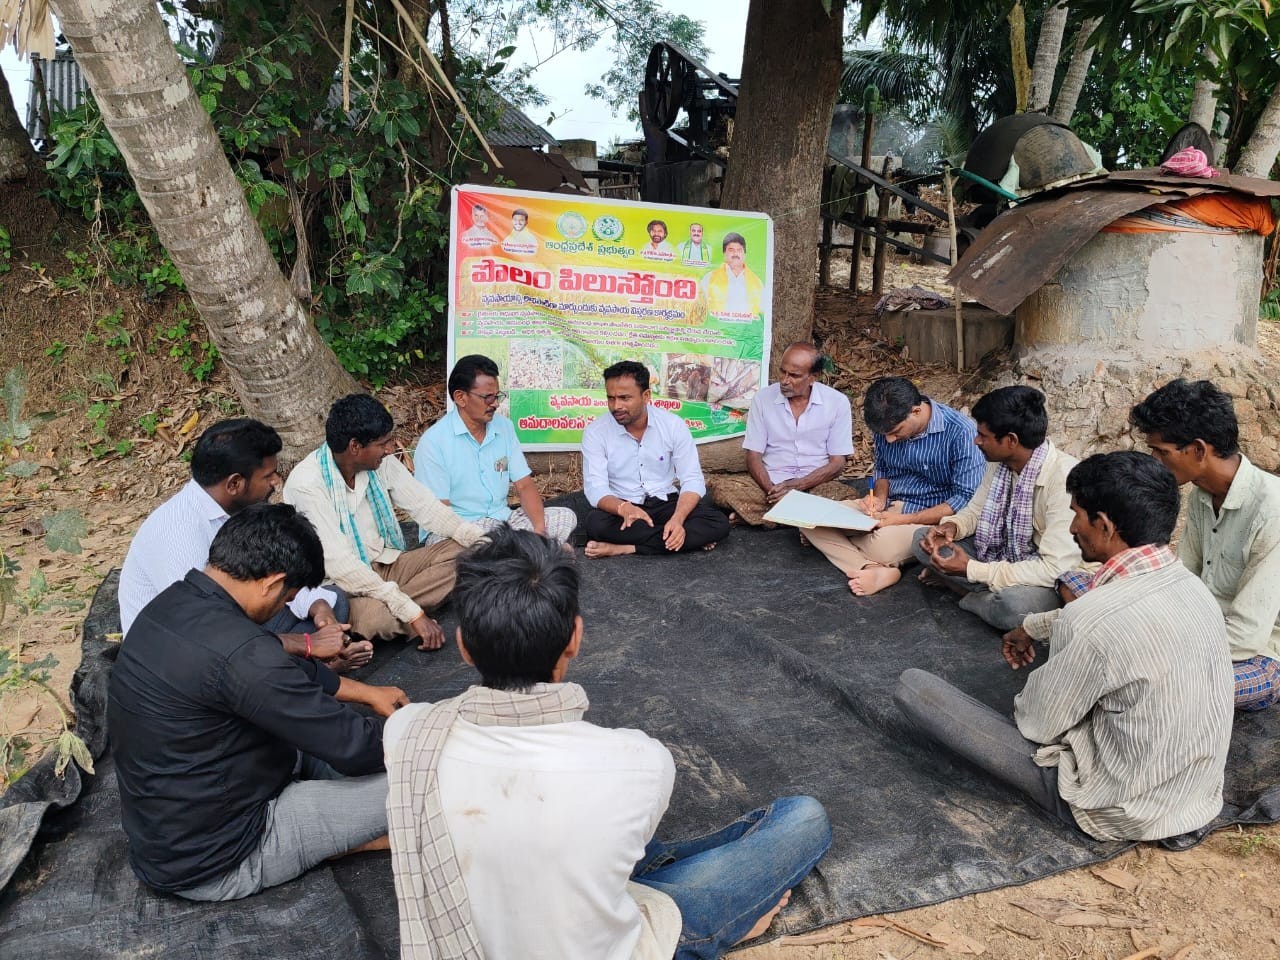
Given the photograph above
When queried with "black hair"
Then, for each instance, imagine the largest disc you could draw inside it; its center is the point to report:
(1182, 412)
(231, 447)
(888, 402)
(517, 600)
(629, 368)
(1189, 135)
(661, 223)
(357, 417)
(733, 238)
(265, 539)
(1134, 489)
(521, 212)
(1019, 410)
(464, 373)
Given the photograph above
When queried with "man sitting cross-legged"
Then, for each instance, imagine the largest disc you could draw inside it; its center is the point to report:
(233, 465)
(520, 830)
(1005, 550)
(926, 468)
(348, 488)
(640, 473)
(1232, 536)
(799, 437)
(470, 459)
(238, 766)
(1124, 730)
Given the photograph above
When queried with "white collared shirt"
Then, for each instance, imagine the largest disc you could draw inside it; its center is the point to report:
(615, 464)
(794, 447)
(175, 539)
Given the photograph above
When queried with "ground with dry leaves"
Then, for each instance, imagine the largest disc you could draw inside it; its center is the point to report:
(1217, 901)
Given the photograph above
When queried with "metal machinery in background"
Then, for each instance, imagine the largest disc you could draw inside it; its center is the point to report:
(686, 164)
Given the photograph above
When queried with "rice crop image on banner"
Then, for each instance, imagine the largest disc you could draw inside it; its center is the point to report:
(555, 288)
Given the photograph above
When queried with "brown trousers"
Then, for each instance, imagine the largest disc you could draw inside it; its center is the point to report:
(851, 551)
(426, 574)
(739, 493)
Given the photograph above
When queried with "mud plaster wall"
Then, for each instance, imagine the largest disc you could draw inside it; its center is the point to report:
(1089, 410)
(1138, 294)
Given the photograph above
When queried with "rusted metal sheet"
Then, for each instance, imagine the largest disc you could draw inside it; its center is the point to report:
(1153, 177)
(1024, 247)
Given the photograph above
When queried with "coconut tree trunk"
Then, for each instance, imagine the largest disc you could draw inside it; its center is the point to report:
(1259, 154)
(18, 159)
(281, 369)
(1064, 107)
(1204, 98)
(1048, 52)
(783, 120)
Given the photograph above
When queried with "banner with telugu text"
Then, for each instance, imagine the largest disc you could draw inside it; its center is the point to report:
(554, 288)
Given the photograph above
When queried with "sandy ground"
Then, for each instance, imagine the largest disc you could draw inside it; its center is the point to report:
(1217, 901)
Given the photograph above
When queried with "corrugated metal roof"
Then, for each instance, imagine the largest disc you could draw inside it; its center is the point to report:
(65, 87)
(514, 129)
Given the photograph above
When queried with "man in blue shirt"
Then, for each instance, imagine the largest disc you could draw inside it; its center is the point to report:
(927, 467)
(471, 458)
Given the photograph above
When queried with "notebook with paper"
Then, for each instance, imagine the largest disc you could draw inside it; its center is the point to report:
(798, 509)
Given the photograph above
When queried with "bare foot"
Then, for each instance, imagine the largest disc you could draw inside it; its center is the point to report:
(709, 546)
(804, 541)
(871, 580)
(763, 923)
(734, 519)
(598, 548)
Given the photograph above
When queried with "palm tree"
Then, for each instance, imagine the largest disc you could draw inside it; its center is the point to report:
(281, 369)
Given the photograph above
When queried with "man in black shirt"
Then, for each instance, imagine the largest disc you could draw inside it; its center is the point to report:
(239, 768)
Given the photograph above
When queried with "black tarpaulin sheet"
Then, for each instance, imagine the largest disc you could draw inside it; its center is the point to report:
(760, 672)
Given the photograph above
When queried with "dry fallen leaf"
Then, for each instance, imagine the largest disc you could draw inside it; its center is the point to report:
(837, 934)
(1117, 877)
(900, 927)
(955, 941)
(190, 423)
(1068, 914)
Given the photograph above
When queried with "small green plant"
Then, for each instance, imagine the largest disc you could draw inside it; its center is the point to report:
(148, 423)
(1269, 308)
(62, 532)
(15, 430)
(1249, 844)
(56, 350)
(115, 336)
(99, 414)
(198, 356)
(6, 251)
(82, 274)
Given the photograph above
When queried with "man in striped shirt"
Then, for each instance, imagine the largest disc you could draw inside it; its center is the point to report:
(1124, 730)
(927, 468)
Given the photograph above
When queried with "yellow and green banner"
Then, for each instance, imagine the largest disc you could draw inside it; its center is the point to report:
(555, 288)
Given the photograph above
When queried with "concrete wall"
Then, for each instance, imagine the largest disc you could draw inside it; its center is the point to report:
(1133, 296)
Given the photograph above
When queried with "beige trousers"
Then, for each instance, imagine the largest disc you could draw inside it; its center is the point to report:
(426, 574)
(851, 551)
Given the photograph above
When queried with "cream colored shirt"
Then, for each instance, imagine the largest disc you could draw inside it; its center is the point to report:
(1236, 552)
(305, 489)
(1050, 522)
(1134, 706)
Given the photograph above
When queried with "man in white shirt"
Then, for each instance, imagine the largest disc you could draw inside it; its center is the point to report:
(233, 466)
(642, 477)
(518, 829)
(349, 488)
(799, 437)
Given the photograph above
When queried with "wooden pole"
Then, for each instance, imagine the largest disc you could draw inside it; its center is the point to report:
(824, 251)
(882, 248)
(947, 185)
(860, 205)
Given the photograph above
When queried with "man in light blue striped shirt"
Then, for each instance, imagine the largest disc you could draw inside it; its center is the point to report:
(927, 467)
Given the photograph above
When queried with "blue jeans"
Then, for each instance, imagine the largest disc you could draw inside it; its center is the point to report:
(286, 622)
(725, 881)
